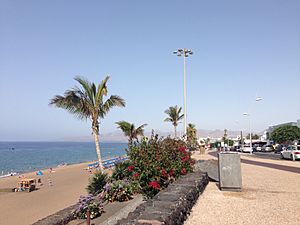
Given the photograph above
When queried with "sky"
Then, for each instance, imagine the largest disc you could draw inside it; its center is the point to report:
(242, 50)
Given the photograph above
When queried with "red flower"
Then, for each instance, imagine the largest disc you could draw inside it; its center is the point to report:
(171, 173)
(183, 171)
(136, 175)
(182, 149)
(164, 173)
(183, 159)
(154, 185)
(130, 168)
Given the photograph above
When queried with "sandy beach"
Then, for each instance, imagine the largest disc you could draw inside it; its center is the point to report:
(68, 183)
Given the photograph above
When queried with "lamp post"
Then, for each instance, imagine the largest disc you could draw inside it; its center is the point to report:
(250, 135)
(185, 53)
(247, 114)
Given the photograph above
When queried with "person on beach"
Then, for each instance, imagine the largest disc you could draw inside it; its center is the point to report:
(50, 182)
(40, 182)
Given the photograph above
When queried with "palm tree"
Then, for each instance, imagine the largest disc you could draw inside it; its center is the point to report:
(88, 102)
(174, 116)
(191, 132)
(130, 131)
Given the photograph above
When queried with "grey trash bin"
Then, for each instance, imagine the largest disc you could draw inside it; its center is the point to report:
(230, 177)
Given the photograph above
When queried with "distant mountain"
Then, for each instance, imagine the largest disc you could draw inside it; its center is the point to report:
(217, 133)
(118, 136)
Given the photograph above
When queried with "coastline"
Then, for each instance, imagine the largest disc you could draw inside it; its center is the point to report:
(33, 156)
(19, 173)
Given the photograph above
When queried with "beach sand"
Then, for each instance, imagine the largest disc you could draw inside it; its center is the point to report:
(68, 183)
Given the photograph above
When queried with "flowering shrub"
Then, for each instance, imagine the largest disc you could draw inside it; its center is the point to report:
(121, 170)
(119, 190)
(156, 162)
(90, 203)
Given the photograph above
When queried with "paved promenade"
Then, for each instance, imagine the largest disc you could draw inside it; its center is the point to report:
(269, 196)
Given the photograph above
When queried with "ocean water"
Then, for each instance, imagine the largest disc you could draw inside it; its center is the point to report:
(31, 156)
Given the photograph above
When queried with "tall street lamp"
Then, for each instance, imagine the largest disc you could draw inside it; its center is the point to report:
(185, 53)
(247, 114)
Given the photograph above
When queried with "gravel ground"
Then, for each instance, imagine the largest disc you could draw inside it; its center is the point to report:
(269, 196)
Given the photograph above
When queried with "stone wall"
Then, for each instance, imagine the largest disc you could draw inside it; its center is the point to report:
(172, 205)
(62, 217)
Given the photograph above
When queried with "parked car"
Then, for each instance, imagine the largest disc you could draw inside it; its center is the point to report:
(247, 149)
(291, 152)
(256, 148)
(235, 148)
(267, 148)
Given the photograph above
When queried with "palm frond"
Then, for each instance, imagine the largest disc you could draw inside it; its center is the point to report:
(114, 100)
(140, 130)
(180, 117)
(124, 126)
(72, 102)
(87, 88)
(102, 90)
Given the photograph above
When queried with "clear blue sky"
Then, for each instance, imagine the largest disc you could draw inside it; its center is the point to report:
(243, 49)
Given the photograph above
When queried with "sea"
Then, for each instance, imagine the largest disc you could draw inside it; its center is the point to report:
(20, 157)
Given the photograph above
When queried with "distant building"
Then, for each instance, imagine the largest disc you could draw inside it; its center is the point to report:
(268, 132)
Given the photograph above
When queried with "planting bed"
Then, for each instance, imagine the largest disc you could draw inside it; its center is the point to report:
(172, 205)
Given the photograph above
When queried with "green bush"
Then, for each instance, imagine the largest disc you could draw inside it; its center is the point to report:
(96, 183)
(156, 162)
(121, 170)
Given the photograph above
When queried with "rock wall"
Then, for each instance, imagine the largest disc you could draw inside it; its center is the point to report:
(62, 217)
(172, 205)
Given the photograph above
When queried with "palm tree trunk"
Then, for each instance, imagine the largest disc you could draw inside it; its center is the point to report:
(96, 138)
(175, 131)
(130, 140)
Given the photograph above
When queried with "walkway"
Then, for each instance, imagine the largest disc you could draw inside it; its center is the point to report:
(270, 196)
(274, 165)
